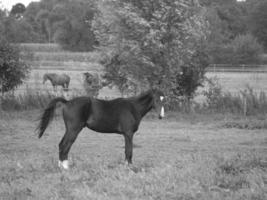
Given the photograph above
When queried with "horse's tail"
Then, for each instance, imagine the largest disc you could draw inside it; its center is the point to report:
(48, 114)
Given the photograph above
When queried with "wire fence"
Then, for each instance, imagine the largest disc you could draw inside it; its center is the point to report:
(232, 78)
(252, 68)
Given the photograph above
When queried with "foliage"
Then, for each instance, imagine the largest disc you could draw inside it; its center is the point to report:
(75, 30)
(244, 49)
(17, 31)
(192, 75)
(12, 70)
(18, 10)
(228, 21)
(148, 43)
(65, 22)
(258, 22)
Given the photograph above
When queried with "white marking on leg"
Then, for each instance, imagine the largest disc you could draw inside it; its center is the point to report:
(65, 164)
(161, 98)
(162, 114)
(59, 164)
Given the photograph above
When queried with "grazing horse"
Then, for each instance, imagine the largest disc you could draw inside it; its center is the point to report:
(121, 116)
(57, 79)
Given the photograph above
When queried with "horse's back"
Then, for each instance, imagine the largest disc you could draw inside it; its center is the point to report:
(77, 109)
(66, 77)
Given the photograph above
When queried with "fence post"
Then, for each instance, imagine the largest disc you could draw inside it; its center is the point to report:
(1, 103)
(245, 106)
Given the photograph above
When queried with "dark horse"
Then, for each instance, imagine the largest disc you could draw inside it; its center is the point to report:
(57, 79)
(121, 115)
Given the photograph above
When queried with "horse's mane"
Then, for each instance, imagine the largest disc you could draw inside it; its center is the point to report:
(142, 96)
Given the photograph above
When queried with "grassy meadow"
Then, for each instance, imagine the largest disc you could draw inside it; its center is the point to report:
(180, 157)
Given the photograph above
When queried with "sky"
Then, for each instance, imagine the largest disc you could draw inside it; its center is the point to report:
(9, 3)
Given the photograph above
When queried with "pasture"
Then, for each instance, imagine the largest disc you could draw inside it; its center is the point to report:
(180, 157)
(187, 157)
(50, 58)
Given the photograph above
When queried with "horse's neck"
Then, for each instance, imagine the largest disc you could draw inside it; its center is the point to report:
(144, 103)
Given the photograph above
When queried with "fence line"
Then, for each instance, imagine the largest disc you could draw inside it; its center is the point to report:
(252, 68)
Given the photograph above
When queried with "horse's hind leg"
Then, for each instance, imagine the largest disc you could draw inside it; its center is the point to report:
(128, 137)
(65, 87)
(66, 143)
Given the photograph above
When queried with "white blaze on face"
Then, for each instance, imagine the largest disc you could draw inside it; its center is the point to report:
(162, 114)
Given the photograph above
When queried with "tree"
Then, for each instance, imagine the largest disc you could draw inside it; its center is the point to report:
(74, 29)
(18, 10)
(148, 41)
(12, 70)
(18, 31)
(244, 49)
(258, 22)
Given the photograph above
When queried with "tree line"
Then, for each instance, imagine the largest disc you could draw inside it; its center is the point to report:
(69, 22)
(155, 43)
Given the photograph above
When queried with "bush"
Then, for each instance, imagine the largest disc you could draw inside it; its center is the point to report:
(13, 71)
(245, 49)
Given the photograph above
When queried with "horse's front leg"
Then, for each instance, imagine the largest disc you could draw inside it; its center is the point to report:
(128, 137)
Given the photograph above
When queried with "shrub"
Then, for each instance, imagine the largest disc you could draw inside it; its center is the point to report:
(245, 49)
(13, 71)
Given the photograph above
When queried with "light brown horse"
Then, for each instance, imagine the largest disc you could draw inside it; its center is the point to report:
(57, 79)
(92, 84)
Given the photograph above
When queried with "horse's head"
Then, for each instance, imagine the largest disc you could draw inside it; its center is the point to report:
(45, 77)
(158, 102)
(105, 81)
(88, 77)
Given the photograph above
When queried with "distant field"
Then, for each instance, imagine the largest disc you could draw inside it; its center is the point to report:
(35, 83)
(236, 81)
(51, 58)
(187, 157)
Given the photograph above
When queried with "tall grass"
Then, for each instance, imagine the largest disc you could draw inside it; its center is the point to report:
(66, 65)
(28, 100)
(246, 101)
(62, 56)
(40, 47)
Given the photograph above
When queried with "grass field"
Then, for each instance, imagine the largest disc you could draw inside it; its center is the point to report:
(180, 157)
